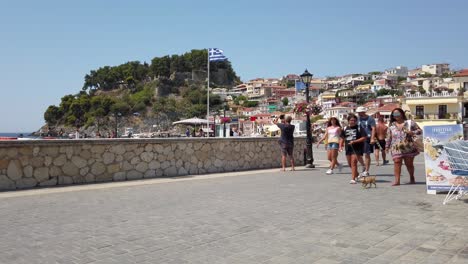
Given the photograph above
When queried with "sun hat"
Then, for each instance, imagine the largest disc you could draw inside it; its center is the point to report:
(361, 109)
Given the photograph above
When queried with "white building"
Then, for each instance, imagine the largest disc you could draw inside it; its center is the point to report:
(339, 112)
(436, 69)
(400, 71)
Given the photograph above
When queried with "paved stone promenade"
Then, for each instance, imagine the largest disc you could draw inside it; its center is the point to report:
(249, 217)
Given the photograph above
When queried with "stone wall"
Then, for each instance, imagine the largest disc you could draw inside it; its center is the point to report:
(32, 163)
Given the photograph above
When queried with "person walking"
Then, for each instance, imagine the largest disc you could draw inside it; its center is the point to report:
(381, 133)
(398, 142)
(368, 124)
(353, 138)
(332, 138)
(286, 141)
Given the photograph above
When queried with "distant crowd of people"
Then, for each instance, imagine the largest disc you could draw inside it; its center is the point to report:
(361, 137)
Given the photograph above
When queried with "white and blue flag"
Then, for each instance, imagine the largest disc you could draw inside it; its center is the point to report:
(299, 85)
(215, 54)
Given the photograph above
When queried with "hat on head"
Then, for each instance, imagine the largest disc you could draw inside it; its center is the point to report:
(361, 109)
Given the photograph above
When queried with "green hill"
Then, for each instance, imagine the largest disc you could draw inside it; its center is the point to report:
(142, 95)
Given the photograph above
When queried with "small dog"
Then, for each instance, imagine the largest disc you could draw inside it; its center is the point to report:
(369, 180)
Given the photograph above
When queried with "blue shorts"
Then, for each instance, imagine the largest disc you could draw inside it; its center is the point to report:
(333, 146)
(368, 147)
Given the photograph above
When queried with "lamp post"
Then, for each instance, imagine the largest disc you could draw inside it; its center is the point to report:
(117, 115)
(306, 77)
(224, 118)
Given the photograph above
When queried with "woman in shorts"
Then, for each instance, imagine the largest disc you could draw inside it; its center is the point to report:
(332, 139)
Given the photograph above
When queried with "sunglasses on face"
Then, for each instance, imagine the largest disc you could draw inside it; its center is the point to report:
(396, 114)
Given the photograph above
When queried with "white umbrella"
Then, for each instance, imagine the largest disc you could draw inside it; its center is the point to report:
(191, 121)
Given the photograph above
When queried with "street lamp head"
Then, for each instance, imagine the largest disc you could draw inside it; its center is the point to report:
(306, 77)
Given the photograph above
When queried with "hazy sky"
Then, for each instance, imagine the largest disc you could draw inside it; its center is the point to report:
(47, 47)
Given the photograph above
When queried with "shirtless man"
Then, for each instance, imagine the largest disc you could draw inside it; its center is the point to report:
(380, 133)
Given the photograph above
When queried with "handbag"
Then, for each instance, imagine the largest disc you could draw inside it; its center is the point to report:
(407, 145)
(410, 144)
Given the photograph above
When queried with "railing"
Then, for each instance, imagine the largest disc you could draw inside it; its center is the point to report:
(433, 94)
(432, 116)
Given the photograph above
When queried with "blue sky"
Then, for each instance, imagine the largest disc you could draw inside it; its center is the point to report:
(47, 47)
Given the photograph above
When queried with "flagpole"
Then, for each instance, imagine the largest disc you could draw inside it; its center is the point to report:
(208, 95)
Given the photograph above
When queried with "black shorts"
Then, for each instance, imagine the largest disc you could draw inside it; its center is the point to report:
(286, 149)
(354, 149)
(368, 147)
(381, 144)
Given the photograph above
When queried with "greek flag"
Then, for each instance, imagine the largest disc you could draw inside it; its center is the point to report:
(215, 54)
(299, 86)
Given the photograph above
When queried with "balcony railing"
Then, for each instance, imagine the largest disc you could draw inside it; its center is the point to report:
(432, 94)
(432, 116)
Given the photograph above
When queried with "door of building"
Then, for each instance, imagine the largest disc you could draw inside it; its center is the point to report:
(442, 111)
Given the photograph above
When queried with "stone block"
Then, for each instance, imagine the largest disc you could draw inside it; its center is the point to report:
(108, 158)
(79, 161)
(142, 167)
(84, 171)
(98, 149)
(6, 183)
(12, 153)
(3, 163)
(98, 168)
(119, 176)
(70, 169)
(85, 154)
(182, 171)
(149, 148)
(51, 182)
(47, 161)
(55, 171)
(90, 178)
(64, 180)
(41, 174)
(50, 151)
(60, 160)
(153, 165)
(26, 183)
(127, 166)
(78, 179)
(134, 175)
(14, 170)
(36, 151)
(37, 162)
(113, 168)
(170, 172)
(150, 174)
(117, 149)
(135, 160)
(147, 156)
(128, 155)
(28, 171)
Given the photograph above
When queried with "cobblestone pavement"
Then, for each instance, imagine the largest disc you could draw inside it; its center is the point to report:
(256, 217)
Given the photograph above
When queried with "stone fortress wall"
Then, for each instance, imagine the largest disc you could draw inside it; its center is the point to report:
(37, 163)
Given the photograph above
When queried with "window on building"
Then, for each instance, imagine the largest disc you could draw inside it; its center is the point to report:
(442, 111)
(420, 111)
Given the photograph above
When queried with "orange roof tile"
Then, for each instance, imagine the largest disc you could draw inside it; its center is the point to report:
(462, 73)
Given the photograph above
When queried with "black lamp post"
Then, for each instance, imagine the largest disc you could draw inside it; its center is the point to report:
(224, 119)
(117, 115)
(306, 77)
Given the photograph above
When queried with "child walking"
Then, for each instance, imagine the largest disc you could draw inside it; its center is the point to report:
(353, 138)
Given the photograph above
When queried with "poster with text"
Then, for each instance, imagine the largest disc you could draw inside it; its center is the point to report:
(439, 177)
